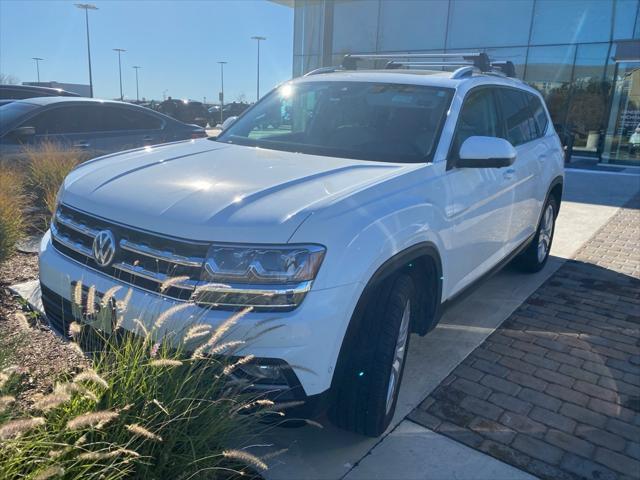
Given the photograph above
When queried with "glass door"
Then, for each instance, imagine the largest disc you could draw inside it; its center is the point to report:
(622, 140)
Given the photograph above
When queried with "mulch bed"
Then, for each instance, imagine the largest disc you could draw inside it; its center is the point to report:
(41, 356)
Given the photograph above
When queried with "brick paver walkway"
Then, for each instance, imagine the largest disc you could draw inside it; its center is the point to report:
(555, 391)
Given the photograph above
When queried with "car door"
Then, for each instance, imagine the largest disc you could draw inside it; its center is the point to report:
(124, 127)
(520, 131)
(66, 125)
(479, 200)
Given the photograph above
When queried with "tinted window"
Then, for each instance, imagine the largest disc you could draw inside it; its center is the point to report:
(519, 126)
(122, 118)
(361, 120)
(62, 120)
(11, 113)
(571, 21)
(539, 114)
(478, 117)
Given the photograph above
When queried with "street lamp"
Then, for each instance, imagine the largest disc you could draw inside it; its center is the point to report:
(222, 64)
(120, 50)
(86, 7)
(37, 59)
(258, 39)
(137, 90)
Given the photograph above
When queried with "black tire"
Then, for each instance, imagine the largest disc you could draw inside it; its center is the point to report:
(530, 260)
(362, 389)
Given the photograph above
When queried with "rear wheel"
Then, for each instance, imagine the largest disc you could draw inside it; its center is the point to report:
(367, 389)
(535, 256)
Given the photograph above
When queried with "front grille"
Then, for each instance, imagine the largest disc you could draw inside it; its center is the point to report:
(142, 259)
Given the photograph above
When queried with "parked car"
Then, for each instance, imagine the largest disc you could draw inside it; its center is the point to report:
(379, 199)
(188, 111)
(101, 126)
(20, 92)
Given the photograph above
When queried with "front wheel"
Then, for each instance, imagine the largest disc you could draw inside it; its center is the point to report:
(535, 256)
(367, 390)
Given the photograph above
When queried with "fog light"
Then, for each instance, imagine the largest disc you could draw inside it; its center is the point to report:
(265, 374)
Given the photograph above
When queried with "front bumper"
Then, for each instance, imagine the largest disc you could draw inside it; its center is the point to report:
(308, 338)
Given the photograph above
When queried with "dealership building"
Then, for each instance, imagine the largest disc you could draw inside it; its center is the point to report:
(582, 55)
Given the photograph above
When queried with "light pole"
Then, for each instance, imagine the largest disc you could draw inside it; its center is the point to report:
(37, 59)
(222, 64)
(86, 7)
(120, 50)
(258, 39)
(137, 89)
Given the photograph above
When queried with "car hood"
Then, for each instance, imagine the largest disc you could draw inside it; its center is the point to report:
(203, 190)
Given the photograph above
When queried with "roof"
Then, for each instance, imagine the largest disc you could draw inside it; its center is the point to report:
(39, 89)
(435, 78)
(42, 101)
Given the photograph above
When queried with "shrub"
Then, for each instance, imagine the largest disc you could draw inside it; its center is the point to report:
(48, 165)
(11, 207)
(147, 409)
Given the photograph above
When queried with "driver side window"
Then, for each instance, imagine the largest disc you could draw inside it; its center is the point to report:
(478, 117)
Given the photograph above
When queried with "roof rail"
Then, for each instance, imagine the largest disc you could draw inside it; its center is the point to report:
(476, 59)
(462, 72)
(317, 71)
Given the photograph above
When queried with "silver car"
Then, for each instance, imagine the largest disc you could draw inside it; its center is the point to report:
(99, 126)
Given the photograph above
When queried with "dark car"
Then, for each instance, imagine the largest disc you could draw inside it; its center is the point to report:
(20, 92)
(100, 126)
(188, 111)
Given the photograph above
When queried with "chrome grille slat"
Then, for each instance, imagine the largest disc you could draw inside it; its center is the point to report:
(69, 243)
(72, 224)
(143, 259)
(157, 277)
(165, 256)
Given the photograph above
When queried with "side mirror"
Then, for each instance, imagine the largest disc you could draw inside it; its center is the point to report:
(23, 133)
(227, 123)
(486, 152)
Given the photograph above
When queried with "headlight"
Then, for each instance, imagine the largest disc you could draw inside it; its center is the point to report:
(260, 276)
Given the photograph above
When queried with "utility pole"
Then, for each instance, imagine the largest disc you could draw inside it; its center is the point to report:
(86, 7)
(137, 89)
(222, 64)
(120, 50)
(258, 39)
(37, 59)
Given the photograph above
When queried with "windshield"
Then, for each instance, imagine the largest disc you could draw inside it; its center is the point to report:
(11, 113)
(362, 120)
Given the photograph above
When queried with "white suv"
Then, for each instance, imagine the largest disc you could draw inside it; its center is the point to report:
(348, 207)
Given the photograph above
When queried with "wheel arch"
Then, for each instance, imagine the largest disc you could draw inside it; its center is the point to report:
(555, 190)
(423, 263)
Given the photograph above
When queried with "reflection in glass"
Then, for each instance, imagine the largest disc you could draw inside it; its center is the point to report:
(489, 23)
(588, 97)
(571, 21)
(308, 27)
(622, 141)
(404, 23)
(355, 26)
(549, 71)
(625, 18)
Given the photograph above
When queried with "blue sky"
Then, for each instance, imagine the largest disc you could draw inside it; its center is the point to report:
(177, 43)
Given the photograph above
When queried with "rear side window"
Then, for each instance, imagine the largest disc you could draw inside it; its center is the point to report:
(121, 118)
(478, 117)
(64, 120)
(519, 125)
(538, 112)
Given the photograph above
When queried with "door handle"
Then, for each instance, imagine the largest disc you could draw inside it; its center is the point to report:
(147, 138)
(81, 145)
(509, 173)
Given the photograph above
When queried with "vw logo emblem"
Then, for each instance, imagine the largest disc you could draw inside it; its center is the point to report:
(104, 248)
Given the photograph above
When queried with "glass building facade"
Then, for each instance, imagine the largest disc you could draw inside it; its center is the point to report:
(582, 55)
